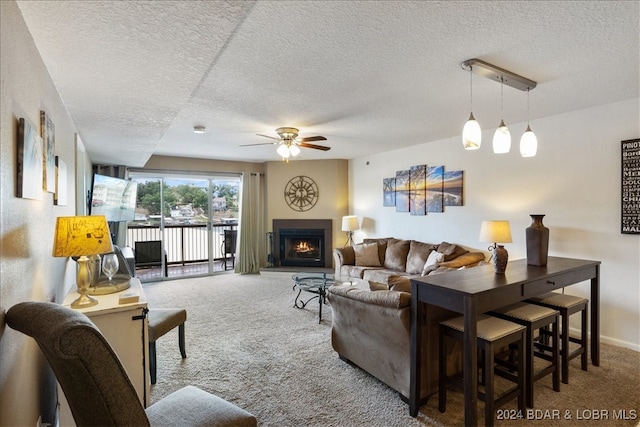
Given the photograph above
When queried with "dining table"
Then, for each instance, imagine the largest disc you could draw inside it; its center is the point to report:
(477, 290)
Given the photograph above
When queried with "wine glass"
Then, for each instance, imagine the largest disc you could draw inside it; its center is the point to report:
(110, 265)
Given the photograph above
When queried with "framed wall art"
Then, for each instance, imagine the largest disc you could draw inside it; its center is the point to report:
(630, 221)
(452, 185)
(402, 191)
(29, 179)
(418, 190)
(388, 191)
(60, 196)
(434, 189)
(47, 131)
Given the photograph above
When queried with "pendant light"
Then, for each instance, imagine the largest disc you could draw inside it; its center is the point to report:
(502, 137)
(529, 141)
(471, 132)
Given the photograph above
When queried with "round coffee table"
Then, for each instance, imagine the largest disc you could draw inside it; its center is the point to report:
(315, 283)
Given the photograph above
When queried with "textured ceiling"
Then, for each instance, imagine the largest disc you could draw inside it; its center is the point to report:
(137, 76)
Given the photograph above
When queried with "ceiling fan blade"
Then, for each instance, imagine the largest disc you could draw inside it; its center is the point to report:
(262, 143)
(267, 136)
(312, 138)
(314, 146)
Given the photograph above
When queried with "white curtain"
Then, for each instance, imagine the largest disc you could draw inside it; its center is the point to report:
(251, 236)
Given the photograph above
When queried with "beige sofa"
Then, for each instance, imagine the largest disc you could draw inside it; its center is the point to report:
(377, 259)
(371, 327)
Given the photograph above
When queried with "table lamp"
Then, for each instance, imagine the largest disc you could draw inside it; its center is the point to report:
(497, 231)
(82, 236)
(350, 224)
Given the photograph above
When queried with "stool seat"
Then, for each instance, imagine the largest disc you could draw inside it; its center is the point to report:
(535, 317)
(489, 328)
(567, 305)
(493, 334)
(161, 321)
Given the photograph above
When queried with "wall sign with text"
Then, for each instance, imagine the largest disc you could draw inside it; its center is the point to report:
(630, 223)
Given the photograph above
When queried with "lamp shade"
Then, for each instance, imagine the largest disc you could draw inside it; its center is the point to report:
(502, 139)
(283, 151)
(495, 231)
(350, 223)
(77, 236)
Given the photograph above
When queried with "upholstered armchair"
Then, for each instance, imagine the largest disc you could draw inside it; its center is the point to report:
(95, 383)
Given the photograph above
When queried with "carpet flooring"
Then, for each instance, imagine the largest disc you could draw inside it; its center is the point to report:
(247, 344)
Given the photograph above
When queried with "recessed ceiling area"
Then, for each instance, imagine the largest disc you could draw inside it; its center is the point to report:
(137, 77)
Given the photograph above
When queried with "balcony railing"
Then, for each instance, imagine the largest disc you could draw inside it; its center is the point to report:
(184, 243)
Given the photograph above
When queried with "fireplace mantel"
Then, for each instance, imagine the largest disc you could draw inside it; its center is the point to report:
(324, 224)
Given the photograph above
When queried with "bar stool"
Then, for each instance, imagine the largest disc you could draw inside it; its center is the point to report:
(161, 321)
(567, 305)
(493, 334)
(535, 317)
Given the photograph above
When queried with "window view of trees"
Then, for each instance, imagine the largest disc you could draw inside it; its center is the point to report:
(187, 201)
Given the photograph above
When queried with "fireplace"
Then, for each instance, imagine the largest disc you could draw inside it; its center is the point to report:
(302, 243)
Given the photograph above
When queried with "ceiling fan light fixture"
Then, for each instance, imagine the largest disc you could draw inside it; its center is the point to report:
(283, 151)
(294, 150)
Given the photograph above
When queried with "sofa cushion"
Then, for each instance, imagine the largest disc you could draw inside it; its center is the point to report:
(384, 299)
(395, 257)
(467, 259)
(380, 275)
(418, 254)
(355, 271)
(450, 250)
(434, 259)
(367, 254)
(382, 245)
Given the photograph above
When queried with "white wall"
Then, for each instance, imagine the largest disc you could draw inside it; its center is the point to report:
(574, 180)
(27, 269)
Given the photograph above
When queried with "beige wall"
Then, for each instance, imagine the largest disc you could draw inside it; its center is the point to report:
(331, 176)
(27, 269)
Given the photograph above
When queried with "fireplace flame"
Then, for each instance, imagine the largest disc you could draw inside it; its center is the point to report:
(303, 247)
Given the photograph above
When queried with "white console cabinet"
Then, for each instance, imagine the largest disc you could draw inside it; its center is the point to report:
(125, 327)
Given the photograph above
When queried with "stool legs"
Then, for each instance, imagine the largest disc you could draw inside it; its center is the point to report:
(152, 353)
(183, 352)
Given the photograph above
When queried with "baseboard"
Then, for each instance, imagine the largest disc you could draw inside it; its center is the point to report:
(608, 340)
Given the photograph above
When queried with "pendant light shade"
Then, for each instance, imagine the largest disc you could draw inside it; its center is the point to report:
(502, 139)
(528, 143)
(471, 132)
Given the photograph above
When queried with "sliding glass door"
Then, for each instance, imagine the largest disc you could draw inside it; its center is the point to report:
(185, 225)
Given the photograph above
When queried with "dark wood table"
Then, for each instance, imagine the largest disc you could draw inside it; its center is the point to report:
(477, 290)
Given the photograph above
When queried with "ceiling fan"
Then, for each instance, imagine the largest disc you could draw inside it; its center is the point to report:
(289, 144)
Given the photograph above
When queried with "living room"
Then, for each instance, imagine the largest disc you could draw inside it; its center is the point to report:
(574, 180)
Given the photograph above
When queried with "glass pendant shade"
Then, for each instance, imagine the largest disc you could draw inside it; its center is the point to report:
(528, 143)
(471, 134)
(294, 150)
(502, 139)
(283, 151)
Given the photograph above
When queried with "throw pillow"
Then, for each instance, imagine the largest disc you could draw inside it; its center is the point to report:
(399, 283)
(395, 258)
(468, 259)
(432, 263)
(418, 254)
(451, 251)
(377, 286)
(367, 255)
